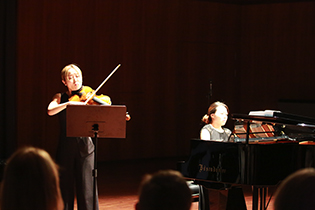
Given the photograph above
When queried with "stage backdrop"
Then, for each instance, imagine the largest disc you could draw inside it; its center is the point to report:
(171, 51)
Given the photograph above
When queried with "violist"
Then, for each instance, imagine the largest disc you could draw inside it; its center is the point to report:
(75, 155)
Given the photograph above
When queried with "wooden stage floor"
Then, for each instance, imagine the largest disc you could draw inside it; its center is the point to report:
(118, 182)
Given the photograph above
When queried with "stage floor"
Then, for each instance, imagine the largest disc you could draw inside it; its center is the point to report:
(118, 182)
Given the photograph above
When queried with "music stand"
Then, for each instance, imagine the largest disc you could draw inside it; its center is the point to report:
(96, 121)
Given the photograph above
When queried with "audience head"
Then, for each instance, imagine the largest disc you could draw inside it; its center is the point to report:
(164, 190)
(212, 110)
(297, 191)
(30, 181)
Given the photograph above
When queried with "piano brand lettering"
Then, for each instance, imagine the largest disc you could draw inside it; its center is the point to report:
(211, 169)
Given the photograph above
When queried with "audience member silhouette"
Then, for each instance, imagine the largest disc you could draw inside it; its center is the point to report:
(297, 191)
(164, 190)
(30, 181)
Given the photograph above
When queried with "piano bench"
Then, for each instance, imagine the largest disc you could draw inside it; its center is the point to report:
(194, 188)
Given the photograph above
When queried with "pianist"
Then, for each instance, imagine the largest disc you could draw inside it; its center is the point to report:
(215, 119)
(213, 130)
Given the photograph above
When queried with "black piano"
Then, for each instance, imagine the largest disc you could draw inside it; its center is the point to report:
(266, 147)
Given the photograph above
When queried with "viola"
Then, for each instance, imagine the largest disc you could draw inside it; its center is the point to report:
(84, 93)
(87, 95)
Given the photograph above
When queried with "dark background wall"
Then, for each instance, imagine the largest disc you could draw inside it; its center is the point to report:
(8, 19)
(257, 56)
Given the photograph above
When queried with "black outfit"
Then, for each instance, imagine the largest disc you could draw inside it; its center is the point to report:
(75, 156)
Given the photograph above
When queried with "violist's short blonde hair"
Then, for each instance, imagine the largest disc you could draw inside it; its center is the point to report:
(65, 70)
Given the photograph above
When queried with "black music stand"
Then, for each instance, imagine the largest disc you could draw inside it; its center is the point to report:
(96, 121)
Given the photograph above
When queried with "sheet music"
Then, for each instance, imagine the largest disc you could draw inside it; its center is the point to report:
(266, 113)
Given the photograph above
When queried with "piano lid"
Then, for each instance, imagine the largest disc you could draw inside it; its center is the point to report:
(271, 125)
(278, 117)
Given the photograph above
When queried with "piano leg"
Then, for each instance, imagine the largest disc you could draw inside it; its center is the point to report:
(203, 198)
(255, 198)
(235, 199)
(263, 193)
(228, 199)
(259, 197)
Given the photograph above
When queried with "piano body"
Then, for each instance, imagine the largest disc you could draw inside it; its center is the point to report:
(266, 149)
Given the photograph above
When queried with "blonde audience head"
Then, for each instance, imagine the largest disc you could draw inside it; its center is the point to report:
(30, 181)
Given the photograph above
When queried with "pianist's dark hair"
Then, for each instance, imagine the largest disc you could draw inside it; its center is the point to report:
(297, 191)
(211, 110)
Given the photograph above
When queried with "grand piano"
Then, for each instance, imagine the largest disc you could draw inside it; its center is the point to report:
(264, 148)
